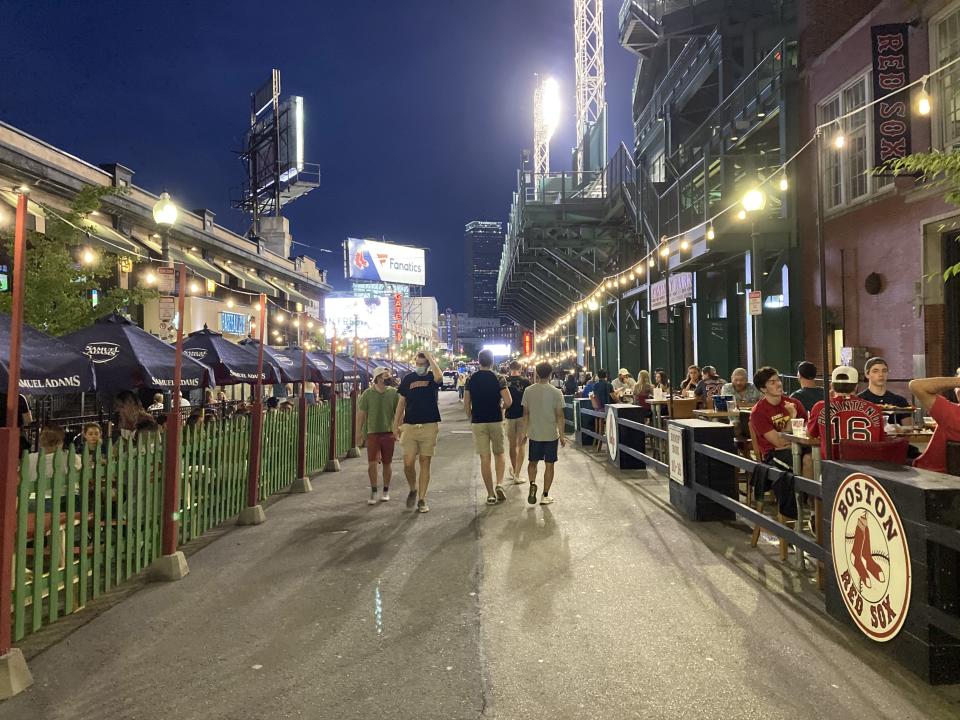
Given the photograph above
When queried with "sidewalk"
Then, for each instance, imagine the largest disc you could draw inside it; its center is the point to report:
(604, 605)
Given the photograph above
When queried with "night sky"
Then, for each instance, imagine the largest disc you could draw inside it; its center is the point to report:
(416, 110)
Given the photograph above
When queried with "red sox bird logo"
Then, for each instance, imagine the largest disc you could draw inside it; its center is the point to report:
(871, 559)
(359, 261)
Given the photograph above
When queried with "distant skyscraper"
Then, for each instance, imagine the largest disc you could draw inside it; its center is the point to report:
(483, 248)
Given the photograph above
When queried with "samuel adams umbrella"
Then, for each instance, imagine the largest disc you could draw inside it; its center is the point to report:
(48, 366)
(318, 367)
(126, 357)
(231, 363)
(289, 372)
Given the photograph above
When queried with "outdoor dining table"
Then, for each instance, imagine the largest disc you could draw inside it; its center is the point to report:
(716, 415)
(797, 444)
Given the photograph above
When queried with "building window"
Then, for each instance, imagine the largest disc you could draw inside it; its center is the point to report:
(945, 38)
(658, 172)
(847, 173)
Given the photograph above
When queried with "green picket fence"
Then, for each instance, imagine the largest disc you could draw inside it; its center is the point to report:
(87, 522)
(214, 460)
(344, 420)
(84, 524)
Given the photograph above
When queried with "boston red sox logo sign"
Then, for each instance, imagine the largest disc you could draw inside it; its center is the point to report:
(871, 559)
(612, 435)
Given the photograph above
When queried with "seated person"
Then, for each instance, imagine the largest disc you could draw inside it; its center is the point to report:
(693, 379)
(570, 385)
(642, 392)
(588, 382)
(771, 416)
(809, 393)
(876, 372)
(603, 391)
(157, 403)
(710, 385)
(851, 417)
(947, 414)
(623, 381)
(742, 390)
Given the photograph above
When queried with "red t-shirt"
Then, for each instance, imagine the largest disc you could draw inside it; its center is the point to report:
(947, 415)
(765, 417)
(851, 418)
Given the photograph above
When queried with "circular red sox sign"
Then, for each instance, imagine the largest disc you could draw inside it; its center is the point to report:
(871, 559)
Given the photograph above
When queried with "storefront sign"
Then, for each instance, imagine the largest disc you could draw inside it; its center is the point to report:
(891, 72)
(527, 343)
(398, 317)
(871, 559)
(675, 443)
(756, 302)
(681, 288)
(233, 323)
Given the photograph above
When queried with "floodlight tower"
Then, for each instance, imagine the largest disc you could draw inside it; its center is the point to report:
(546, 114)
(591, 102)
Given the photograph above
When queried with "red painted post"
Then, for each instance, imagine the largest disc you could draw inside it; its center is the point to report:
(171, 474)
(256, 425)
(302, 439)
(353, 397)
(333, 464)
(10, 434)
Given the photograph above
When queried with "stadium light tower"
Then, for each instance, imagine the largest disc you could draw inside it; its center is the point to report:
(546, 115)
(591, 98)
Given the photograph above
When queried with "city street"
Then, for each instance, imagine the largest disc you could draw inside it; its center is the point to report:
(604, 605)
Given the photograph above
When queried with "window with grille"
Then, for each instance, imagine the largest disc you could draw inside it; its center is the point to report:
(847, 175)
(945, 38)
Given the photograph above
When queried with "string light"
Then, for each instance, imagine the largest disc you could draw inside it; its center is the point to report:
(194, 287)
(87, 257)
(150, 278)
(684, 245)
(923, 99)
(665, 251)
(742, 214)
(784, 185)
(839, 140)
(710, 233)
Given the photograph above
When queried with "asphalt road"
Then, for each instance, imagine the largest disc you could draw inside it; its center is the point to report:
(604, 605)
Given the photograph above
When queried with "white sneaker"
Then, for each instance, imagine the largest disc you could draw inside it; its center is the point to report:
(373, 498)
(546, 500)
(385, 496)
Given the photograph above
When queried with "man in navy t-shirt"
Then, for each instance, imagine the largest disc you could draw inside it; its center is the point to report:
(484, 399)
(417, 424)
(877, 372)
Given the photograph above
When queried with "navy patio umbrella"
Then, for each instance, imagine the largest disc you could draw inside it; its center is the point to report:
(318, 368)
(289, 371)
(127, 357)
(48, 366)
(231, 363)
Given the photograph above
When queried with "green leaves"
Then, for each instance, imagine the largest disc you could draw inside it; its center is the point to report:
(58, 297)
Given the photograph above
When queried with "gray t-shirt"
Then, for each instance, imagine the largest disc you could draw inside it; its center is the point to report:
(542, 402)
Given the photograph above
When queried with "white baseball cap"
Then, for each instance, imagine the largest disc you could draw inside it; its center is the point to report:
(623, 371)
(844, 374)
(381, 371)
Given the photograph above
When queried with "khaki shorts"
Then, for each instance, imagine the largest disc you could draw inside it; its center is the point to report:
(419, 439)
(487, 435)
(514, 426)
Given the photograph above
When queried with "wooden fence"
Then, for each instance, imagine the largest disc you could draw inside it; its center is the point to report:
(87, 521)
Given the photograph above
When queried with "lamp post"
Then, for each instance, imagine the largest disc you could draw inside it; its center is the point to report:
(252, 514)
(172, 565)
(754, 200)
(14, 674)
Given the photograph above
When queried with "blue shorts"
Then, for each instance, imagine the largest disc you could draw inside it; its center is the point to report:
(545, 450)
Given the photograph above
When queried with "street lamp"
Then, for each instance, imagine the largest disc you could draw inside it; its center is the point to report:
(754, 200)
(165, 211)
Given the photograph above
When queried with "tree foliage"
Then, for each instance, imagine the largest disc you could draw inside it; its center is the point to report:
(936, 170)
(59, 290)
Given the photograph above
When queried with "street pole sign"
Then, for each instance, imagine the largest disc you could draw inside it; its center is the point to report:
(756, 302)
(166, 280)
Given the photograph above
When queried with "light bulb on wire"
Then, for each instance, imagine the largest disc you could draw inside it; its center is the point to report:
(710, 233)
(923, 99)
(784, 185)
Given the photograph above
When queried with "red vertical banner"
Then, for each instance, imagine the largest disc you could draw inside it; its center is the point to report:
(891, 73)
(398, 317)
(527, 343)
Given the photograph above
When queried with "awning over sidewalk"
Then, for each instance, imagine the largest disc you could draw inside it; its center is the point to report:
(292, 293)
(197, 264)
(248, 280)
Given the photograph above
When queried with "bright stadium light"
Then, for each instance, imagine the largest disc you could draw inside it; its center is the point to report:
(551, 105)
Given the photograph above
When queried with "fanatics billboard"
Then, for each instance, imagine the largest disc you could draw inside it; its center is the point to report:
(384, 262)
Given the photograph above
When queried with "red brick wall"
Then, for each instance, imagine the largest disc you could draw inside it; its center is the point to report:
(882, 236)
(823, 22)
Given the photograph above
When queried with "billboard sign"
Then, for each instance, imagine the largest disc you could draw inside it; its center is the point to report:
(364, 317)
(384, 262)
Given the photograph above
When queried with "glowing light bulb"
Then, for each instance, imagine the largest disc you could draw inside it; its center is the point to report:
(665, 251)
(194, 287)
(710, 233)
(839, 141)
(784, 185)
(684, 245)
(150, 278)
(88, 257)
(923, 103)
(742, 215)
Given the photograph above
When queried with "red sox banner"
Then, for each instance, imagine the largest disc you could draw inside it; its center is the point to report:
(871, 559)
(891, 72)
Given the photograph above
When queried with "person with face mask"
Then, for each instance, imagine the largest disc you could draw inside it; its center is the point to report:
(417, 425)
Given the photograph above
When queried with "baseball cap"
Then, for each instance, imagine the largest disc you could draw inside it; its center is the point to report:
(844, 374)
(380, 371)
(807, 370)
(873, 361)
(623, 371)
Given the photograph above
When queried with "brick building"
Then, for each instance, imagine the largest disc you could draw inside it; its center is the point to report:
(882, 235)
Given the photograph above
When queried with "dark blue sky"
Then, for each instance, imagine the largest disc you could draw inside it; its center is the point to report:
(417, 110)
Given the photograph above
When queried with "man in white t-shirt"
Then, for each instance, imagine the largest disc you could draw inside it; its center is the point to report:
(543, 416)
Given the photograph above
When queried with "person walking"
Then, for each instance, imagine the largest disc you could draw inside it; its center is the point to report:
(543, 413)
(417, 424)
(375, 412)
(484, 398)
(516, 429)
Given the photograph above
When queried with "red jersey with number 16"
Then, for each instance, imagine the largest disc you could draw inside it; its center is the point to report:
(851, 418)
